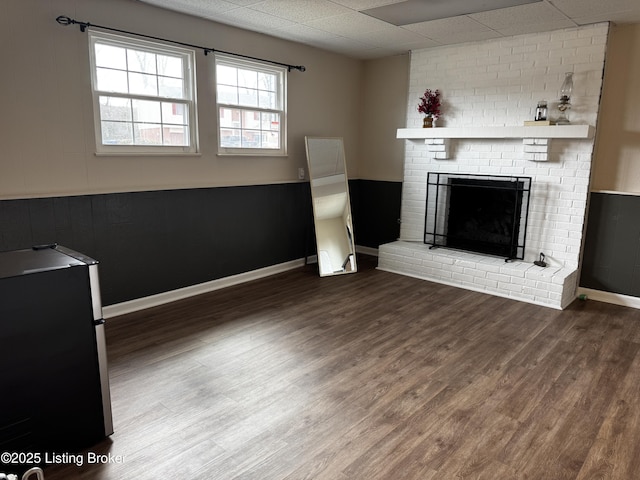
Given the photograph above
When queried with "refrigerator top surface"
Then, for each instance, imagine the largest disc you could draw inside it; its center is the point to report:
(23, 262)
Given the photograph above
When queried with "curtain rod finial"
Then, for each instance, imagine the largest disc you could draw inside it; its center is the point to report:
(63, 20)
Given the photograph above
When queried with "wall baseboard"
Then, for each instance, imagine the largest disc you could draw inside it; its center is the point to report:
(131, 306)
(115, 310)
(608, 297)
(367, 250)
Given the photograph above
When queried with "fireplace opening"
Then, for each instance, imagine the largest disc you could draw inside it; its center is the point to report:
(478, 213)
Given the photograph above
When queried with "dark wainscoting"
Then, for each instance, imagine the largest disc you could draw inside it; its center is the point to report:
(153, 242)
(376, 211)
(611, 261)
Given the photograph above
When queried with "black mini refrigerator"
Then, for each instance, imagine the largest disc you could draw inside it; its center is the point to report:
(54, 386)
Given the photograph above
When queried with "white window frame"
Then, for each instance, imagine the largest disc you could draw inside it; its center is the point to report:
(281, 105)
(188, 99)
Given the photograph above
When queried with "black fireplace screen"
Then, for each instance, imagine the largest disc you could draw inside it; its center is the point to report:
(479, 213)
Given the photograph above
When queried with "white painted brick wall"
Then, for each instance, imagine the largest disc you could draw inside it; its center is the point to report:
(498, 83)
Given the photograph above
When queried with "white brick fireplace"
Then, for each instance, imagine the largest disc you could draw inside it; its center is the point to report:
(497, 83)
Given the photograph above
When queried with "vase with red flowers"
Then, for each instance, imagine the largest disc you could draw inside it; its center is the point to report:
(430, 106)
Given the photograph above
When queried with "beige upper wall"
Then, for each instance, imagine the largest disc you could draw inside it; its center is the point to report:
(47, 132)
(617, 154)
(384, 100)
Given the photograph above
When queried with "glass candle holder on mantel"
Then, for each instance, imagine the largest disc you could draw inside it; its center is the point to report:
(565, 99)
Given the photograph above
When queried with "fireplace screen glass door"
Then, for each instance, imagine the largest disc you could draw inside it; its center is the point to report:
(478, 213)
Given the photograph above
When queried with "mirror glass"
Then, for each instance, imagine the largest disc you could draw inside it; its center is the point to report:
(331, 207)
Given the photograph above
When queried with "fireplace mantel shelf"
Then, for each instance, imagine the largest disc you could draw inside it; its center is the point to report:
(552, 131)
(534, 138)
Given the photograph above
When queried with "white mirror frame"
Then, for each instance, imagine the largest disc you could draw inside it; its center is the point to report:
(331, 205)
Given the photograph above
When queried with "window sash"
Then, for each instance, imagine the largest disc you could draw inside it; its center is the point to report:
(160, 119)
(242, 136)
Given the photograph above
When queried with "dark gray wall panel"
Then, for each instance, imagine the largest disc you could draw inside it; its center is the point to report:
(611, 261)
(376, 211)
(153, 242)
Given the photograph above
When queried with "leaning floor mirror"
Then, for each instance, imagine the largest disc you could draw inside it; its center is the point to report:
(331, 207)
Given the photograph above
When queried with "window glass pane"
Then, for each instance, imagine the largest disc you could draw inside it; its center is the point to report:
(139, 61)
(146, 111)
(111, 80)
(227, 95)
(250, 139)
(230, 117)
(147, 133)
(226, 75)
(271, 121)
(247, 78)
(267, 99)
(117, 133)
(170, 87)
(111, 57)
(176, 135)
(251, 120)
(267, 81)
(115, 108)
(143, 84)
(247, 97)
(270, 140)
(175, 113)
(229, 138)
(170, 66)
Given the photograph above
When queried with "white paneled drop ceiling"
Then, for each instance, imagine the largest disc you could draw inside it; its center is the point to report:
(342, 27)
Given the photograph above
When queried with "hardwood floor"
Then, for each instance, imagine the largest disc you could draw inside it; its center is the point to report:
(370, 376)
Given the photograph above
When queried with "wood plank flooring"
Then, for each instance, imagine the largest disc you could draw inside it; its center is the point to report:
(370, 376)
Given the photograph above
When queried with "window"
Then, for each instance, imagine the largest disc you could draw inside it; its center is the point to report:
(143, 96)
(251, 105)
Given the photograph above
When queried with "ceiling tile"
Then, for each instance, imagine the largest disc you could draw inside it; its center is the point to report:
(593, 8)
(438, 29)
(520, 29)
(348, 23)
(245, 3)
(389, 36)
(300, 11)
(365, 4)
(304, 33)
(534, 13)
(348, 46)
(244, 17)
(631, 16)
(195, 7)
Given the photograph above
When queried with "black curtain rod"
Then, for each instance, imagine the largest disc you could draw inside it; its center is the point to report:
(63, 20)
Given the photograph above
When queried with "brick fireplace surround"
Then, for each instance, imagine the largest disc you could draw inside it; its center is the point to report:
(498, 83)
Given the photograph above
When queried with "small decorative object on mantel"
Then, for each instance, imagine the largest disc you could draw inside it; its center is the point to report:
(541, 111)
(540, 119)
(565, 98)
(430, 106)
